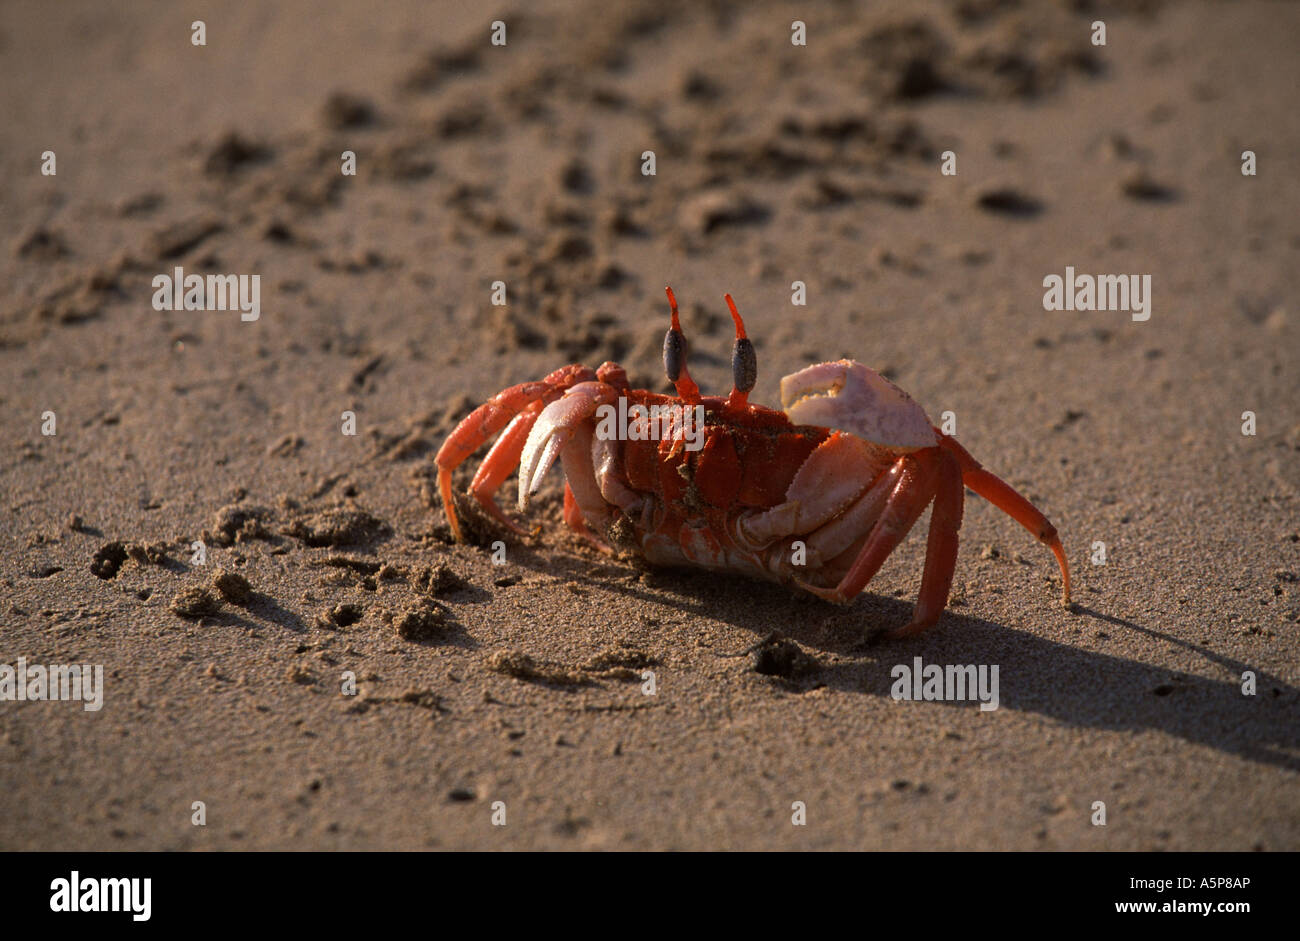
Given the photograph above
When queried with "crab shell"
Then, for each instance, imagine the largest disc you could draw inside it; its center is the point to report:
(851, 397)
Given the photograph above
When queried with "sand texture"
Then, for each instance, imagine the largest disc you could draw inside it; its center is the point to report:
(328, 555)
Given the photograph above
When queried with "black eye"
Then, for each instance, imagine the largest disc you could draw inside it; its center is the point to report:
(674, 353)
(744, 364)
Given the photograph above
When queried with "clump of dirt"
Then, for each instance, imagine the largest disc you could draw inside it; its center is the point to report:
(1140, 185)
(233, 524)
(619, 664)
(110, 557)
(439, 579)
(343, 111)
(1009, 201)
(716, 209)
(339, 527)
(421, 698)
(287, 446)
(1017, 66)
(424, 698)
(359, 566)
(422, 621)
(233, 587)
(402, 162)
(154, 553)
(42, 244)
(182, 237)
(82, 297)
(521, 666)
(195, 603)
(300, 675)
(441, 65)
(464, 120)
(233, 153)
(141, 204)
(905, 60)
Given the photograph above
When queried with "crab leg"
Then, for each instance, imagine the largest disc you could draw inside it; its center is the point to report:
(1003, 496)
(915, 489)
(940, 550)
(833, 476)
(607, 462)
(501, 460)
(836, 538)
(575, 456)
(580, 481)
(573, 517)
(489, 418)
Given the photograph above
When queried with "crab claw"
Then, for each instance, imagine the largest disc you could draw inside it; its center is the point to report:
(849, 396)
(554, 427)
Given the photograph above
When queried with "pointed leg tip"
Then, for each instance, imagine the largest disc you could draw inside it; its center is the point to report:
(1058, 550)
(910, 629)
(490, 507)
(825, 594)
(453, 522)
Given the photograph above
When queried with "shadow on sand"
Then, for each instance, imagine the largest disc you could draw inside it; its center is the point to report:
(1077, 686)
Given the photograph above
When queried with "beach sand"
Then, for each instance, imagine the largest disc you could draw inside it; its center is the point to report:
(482, 688)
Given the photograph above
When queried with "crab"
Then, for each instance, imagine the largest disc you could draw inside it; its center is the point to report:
(815, 496)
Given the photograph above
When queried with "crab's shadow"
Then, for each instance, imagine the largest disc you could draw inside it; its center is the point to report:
(1068, 682)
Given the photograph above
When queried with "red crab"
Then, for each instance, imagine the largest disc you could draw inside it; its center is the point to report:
(816, 496)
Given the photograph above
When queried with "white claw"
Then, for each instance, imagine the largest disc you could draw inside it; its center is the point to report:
(531, 474)
(553, 428)
(853, 398)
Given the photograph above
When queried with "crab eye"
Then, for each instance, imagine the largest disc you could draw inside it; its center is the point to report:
(674, 353)
(744, 364)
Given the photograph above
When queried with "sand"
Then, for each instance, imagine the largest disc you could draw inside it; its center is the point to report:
(482, 688)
